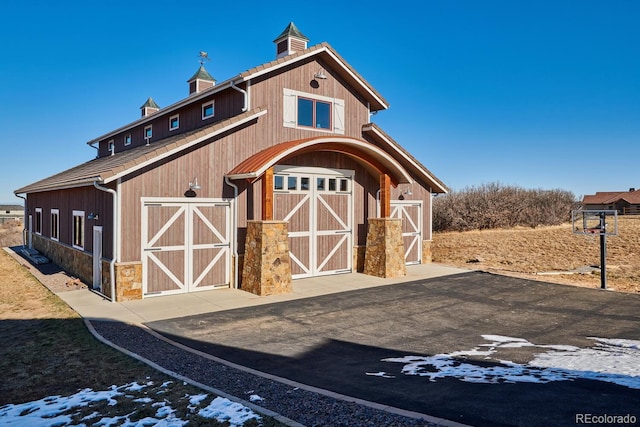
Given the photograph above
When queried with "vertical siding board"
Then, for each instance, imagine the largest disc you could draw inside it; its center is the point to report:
(87, 199)
(213, 158)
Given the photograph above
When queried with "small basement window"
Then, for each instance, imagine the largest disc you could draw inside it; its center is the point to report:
(208, 110)
(174, 122)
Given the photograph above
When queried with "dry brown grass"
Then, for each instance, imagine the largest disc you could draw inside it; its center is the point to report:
(46, 350)
(11, 234)
(527, 251)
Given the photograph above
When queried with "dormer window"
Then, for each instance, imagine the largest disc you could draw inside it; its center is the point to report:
(127, 139)
(174, 122)
(207, 110)
(112, 147)
(148, 133)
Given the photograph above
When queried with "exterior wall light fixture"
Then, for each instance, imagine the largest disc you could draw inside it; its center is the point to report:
(320, 75)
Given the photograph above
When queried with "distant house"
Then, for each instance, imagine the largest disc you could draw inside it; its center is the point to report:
(275, 174)
(625, 202)
(11, 213)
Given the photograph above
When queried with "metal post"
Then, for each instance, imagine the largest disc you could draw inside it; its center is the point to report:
(603, 251)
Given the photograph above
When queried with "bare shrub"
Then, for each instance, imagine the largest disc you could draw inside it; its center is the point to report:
(11, 234)
(494, 205)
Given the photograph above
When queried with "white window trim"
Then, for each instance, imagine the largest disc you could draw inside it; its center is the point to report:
(39, 223)
(150, 129)
(55, 212)
(177, 117)
(73, 229)
(111, 146)
(290, 111)
(127, 139)
(213, 109)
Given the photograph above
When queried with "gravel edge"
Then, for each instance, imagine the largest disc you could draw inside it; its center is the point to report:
(289, 404)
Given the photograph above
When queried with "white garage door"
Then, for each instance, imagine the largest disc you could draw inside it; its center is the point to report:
(317, 203)
(185, 245)
(411, 213)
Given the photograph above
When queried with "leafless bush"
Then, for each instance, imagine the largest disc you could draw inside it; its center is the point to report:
(495, 205)
(11, 234)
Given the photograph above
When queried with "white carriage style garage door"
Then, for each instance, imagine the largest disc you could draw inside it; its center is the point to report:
(411, 213)
(185, 245)
(317, 203)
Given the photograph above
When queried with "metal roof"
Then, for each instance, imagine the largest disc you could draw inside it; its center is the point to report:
(291, 31)
(202, 74)
(109, 168)
(371, 156)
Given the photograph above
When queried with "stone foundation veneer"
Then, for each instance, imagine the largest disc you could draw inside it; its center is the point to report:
(128, 281)
(426, 252)
(74, 261)
(384, 254)
(80, 264)
(267, 264)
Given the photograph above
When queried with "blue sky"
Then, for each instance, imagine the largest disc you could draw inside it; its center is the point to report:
(539, 94)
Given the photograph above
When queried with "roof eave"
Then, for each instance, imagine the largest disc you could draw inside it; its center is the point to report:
(376, 101)
(194, 97)
(171, 152)
(426, 174)
(63, 186)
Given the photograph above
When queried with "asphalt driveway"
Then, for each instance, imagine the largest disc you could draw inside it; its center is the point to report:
(476, 348)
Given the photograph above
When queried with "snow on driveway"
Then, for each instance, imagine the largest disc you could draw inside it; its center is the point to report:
(612, 360)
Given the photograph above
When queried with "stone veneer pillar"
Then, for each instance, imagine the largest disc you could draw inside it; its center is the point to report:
(426, 252)
(267, 266)
(128, 281)
(384, 254)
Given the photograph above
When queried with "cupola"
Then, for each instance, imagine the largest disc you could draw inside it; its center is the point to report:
(149, 107)
(291, 40)
(200, 81)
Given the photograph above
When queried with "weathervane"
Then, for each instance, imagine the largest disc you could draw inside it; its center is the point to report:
(204, 57)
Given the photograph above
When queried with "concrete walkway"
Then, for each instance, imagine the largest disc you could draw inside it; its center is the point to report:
(93, 306)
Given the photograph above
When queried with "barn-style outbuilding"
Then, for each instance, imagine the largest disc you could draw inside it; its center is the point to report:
(275, 174)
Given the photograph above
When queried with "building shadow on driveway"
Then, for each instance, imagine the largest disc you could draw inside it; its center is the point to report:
(475, 348)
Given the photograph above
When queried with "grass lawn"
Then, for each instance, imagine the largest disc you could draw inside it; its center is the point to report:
(46, 350)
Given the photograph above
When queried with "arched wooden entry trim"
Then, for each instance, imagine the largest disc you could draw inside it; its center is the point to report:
(374, 159)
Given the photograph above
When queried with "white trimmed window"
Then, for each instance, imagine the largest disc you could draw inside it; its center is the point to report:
(112, 146)
(308, 111)
(127, 139)
(174, 122)
(38, 221)
(208, 110)
(148, 132)
(78, 230)
(55, 224)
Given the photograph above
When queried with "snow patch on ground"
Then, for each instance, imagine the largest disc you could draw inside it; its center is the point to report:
(59, 410)
(611, 360)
